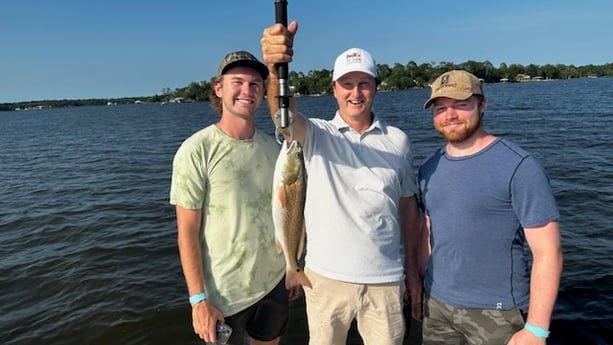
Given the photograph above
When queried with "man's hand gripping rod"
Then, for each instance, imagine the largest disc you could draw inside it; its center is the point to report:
(284, 116)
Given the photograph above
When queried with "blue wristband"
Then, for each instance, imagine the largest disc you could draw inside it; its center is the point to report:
(197, 298)
(536, 330)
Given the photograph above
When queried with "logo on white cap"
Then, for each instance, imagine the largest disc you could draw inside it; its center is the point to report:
(354, 60)
(353, 57)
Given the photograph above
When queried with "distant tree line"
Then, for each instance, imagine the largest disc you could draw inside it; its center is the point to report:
(396, 77)
(412, 75)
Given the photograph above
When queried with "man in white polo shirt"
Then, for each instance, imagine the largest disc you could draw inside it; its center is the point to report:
(360, 204)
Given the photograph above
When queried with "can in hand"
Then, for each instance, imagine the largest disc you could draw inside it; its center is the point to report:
(223, 333)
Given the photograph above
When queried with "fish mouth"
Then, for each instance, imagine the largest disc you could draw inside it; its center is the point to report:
(294, 148)
(292, 144)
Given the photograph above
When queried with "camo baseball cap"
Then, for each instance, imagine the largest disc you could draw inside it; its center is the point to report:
(456, 84)
(241, 58)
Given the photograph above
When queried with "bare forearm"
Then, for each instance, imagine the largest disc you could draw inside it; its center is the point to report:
(546, 271)
(190, 249)
(409, 223)
(411, 238)
(190, 253)
(272, 94)
(423, 249)
(273, 101)
(544, 286)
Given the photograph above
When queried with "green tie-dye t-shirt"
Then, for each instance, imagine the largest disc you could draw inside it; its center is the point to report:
(231, 181)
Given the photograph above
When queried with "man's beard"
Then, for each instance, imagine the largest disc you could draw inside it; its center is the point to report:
(459, 135)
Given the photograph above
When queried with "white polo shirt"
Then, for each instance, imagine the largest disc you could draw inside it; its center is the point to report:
(354, 185)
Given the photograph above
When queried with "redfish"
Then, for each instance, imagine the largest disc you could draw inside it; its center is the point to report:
(288, 198)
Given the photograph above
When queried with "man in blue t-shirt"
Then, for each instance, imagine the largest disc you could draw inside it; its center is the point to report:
(483, 198)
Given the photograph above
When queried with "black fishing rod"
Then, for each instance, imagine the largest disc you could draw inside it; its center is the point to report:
(283, 114)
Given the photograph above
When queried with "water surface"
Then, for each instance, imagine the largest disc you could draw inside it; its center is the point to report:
(88, 240)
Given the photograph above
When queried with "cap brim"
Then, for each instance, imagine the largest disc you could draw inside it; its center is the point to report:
(429, 102)
(356, 70)
(258, 66)
(459, 96)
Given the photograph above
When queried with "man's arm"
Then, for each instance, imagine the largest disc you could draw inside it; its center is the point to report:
(546, 272)
(190, 250)
(411, 234)
(204, 314)
(424, 249)
(545, 277)
(277, 47)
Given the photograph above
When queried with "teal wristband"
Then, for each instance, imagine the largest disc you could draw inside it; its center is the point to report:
(536, 330)
(197, 298)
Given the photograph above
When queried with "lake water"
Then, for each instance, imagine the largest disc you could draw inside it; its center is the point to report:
(88, 250)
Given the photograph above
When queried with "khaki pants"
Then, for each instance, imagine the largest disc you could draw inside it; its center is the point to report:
(332, 305)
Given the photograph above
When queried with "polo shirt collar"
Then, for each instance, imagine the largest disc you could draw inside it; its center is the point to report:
(342, 126)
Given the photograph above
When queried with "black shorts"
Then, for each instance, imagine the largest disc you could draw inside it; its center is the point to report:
(266, 320)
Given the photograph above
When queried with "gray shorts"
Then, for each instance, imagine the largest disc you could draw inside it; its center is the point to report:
(448, 325)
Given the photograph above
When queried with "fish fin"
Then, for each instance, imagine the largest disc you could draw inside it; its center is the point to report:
(279, 246)
(304, 280)
(282, 196)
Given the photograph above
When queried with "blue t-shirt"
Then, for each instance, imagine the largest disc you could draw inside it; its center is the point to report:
(478, 207)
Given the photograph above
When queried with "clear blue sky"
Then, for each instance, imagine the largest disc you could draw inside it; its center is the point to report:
(72, 49)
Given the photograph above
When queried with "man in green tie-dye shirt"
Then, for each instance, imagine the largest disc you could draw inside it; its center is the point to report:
(221, 187)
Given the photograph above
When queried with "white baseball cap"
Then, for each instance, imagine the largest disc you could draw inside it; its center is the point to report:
(354, 60)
